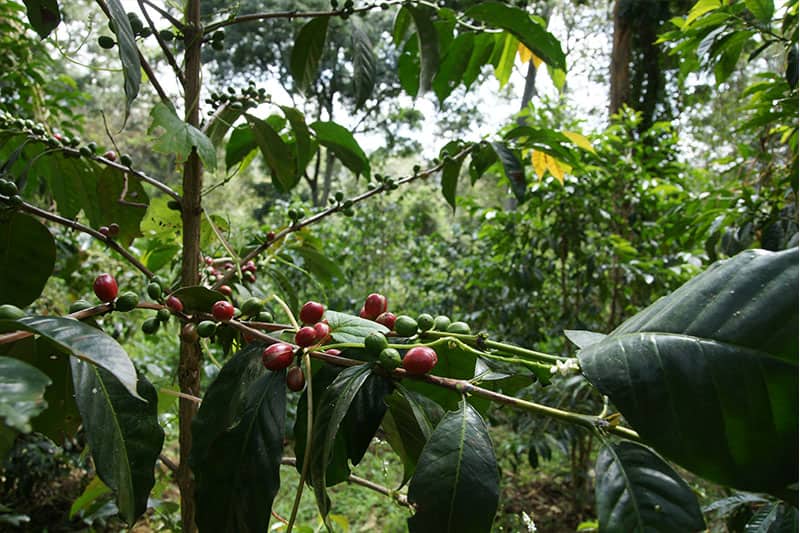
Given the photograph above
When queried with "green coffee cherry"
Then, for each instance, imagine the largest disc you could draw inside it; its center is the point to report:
(127, 302)
(375, 342)
(405, 326)
(10, 312)
(163, 314)
(79, 305)
(126, 160)
(264, 316)
(440, 323)
(154, 290)
(252, 307)
(206, 328)
(150, 326)
(8, 187)
(106, 42)
(390, 358)
(459, 327)
(425, 322)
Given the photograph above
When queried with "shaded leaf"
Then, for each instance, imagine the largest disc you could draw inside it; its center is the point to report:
(341, 142)
(278, 155)
(84, 342)
(27, 258)
(198, 298)
(428, 44)
(364, 63)
(22, 388)
(518, 23)
(708, 374)
(513, 169)
(637, 491)
(582, 338)
(219, 124)
(179, 137)
(365, 414)
(242, 142)
(123, 434)
(450, 172)
(453, 363)
(307, 51)
(128, 53)
(480, 160)
(302, 137)
(775, 517)
(453, 66)
(94, 490)
(43, 15)
(456, 484)
(482, 47)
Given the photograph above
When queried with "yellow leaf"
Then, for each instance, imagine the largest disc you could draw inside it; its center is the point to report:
(526, 55)
(579, 140)
(539, 163)
(554, 168)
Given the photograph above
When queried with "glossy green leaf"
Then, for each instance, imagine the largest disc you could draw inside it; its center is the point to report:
(333, 407)
(241, 143)
(456, 484)
(402, 22)
(94, 490)
(763, 10)
(408, 425)
(43, 15)
(519, 23)
(365, 415)
(637, 491)
(507, 60)
(428, 44)
(513, 169)
(453, 66)
(278, 155)
(708, 374)
(180, 137)
(123, 433)
(128, 53)
(364, 63)
(22, 389)
(450, 173)
(302, 136)
(239, 478)
(83, 341)
(219, 124)
(481, 159)
(27, 258)
(408, 67)
(482, 47)
(341, 142)
(198, 298)
(349, 328)
(583, 339)
(307, 51)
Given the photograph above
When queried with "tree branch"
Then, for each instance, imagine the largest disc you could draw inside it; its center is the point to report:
(164, 48)
(172, 20)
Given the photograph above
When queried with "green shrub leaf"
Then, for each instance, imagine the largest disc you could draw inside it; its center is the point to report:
(22, 388)
(307, 51)
(180, 137)
(128, 53)
(27, 258)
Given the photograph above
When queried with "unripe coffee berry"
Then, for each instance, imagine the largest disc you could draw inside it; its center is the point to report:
(105, 287)
(127, 301)
(405, 326)
(459, 327)
(390, 358)
(374, 305)
(387, 319)
(174, 303)
(150, 326)
(154, 290)
(375, 342)
(424, 322)
(252, 306)
(163, 315)
(323, 331)
(420, 360)
(311, 312)
(306, 336)
(206, 328)
(295, 379)
(277, 356)
(440, 323)
(222, 311)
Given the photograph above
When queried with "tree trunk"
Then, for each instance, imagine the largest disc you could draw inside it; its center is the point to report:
(620, 59)
(189, 364)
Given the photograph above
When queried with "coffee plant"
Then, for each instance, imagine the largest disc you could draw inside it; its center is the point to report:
(705, 377)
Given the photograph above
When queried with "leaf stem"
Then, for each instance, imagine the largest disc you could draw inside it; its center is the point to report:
(309, 443)
(479, 340)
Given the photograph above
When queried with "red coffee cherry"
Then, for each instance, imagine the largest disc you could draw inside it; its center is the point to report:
(363, 314)
(306, 336)
(374, 305)
(105, 287)
(323, 331)
(387, 319)
(333, 351)
(111, 155)
(311, 312)
(225, 289)
(295, 379)
(222, 311)
(420, 360)
(277, 356)
(174, 303)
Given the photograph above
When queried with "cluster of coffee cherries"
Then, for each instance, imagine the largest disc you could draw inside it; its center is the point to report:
(216, 269)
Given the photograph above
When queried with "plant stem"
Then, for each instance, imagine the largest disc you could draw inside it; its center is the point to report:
(309, 443)
(478, 340)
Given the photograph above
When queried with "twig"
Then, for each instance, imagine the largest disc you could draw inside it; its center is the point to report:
(183, 395)
(169, 463)
(111, 243)
(172, 20)
(252, 17)
(164, 48)
(335, 208)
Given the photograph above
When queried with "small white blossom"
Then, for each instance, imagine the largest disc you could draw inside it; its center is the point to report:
(565, 368)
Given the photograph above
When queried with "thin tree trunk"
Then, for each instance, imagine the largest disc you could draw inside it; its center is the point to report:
(189, 364)
(620, 60)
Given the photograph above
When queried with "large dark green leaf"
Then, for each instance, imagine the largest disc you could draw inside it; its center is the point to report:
(428, 43)
(83, 341)
(278, 155)
(637, 491)
(22, 388)
(708, 374)
(180, 137)
(365, 414)
(513, 169)
(333, 407)
(43, 15)
(241, 143)
(307, 51)
(364, 63)
(518, 22)
(482, 48)
(237, 482)
(408, 426)
(451, 169)
(123, 434)
(349, 328)
(408, 67)
(221, 122)
(27, 258)
(456, 485)
(341, 142)
(481, 158)
(128, 53)
(453, 66)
